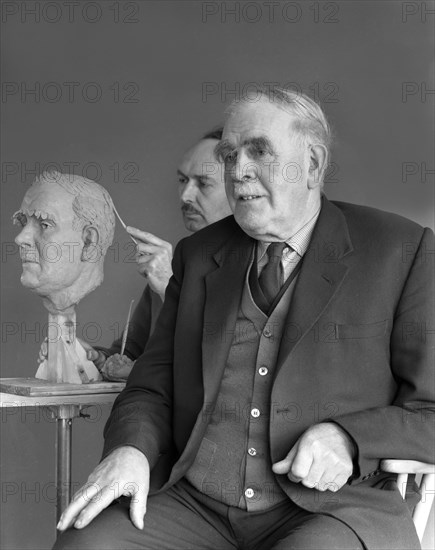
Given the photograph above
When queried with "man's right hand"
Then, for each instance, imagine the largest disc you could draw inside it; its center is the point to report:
(125, 471)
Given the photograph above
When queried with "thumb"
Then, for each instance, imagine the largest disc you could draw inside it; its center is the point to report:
(91, 353)
(283, 466)
(138, 507)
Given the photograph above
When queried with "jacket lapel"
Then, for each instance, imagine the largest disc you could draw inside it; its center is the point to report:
(224, 288)
(320, 277)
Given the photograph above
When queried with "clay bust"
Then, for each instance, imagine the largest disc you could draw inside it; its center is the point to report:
(67, 224)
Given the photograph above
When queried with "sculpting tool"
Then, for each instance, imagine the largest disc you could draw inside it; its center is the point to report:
(123, 224)
(124, 334)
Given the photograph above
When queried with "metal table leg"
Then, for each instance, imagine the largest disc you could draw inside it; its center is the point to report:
(64, 415)
(63, 464)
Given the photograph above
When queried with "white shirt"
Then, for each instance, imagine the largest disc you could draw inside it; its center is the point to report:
(297, 245)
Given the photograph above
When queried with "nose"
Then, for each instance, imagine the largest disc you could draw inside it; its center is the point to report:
(25, 236)
(244, 168)
(188, 192)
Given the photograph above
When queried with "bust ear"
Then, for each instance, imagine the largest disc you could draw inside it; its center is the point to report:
(91, 251)
(318, 160)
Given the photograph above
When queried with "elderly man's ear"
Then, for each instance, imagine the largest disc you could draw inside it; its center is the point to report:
(318, 162)
(91, 252)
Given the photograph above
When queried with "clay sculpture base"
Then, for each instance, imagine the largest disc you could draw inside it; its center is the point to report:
(35, 387)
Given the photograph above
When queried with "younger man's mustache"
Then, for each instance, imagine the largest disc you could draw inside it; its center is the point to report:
(189, 209)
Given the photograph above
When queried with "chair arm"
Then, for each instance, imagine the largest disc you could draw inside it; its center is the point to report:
(396, 466)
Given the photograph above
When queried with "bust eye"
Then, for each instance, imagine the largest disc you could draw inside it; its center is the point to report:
(44, 224)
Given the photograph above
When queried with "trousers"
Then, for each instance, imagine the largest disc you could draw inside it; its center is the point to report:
(182, 518)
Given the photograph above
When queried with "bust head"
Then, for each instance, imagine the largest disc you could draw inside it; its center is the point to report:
(67, 225)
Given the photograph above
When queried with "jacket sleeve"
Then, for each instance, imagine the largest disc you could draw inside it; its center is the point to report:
(142, 413)
(405, 429)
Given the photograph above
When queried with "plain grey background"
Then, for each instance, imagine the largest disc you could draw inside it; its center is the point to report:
(120, 90)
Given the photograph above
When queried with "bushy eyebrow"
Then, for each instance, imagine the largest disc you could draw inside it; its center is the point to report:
(255, 143)
(221, 148)
(40, 215)
(259, 143)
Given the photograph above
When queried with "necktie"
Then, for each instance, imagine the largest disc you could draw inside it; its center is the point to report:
(271, 278)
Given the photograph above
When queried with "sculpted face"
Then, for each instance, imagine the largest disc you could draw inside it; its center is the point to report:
(67, 223)
(269, 184)
(52, 247)
(201, 186)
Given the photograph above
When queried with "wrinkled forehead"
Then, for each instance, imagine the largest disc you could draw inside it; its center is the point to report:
(257, 118)
(48, 201)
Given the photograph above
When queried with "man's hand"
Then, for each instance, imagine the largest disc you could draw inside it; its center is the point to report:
(117, 368)
(97, 357)
(153, 258)
(320, 459)
(43, 351)
(124, 472)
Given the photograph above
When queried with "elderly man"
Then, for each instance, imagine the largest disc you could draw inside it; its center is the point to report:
(280, 371)
(203, 201)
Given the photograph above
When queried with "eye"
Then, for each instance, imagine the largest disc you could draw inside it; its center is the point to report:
(204, 182)
(258, 152)
(230, 157)
(44, 225)
(182, 180)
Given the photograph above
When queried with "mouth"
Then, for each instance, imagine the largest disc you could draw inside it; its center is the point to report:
(190, 212)
(249, 197)
(29, 258)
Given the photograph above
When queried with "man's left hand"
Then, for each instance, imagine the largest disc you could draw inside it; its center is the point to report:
(320, 459)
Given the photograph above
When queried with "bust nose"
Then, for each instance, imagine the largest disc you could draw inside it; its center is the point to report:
(25, 236)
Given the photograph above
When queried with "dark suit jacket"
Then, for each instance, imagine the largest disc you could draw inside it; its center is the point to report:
(355, 351)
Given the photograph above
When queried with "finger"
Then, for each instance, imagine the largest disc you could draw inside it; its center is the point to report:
(146, 237)
(283, 466)
(91, 353)
(144, 259)
(145, 248)
(334, 479)
(301, 466)
(97, 504)
(319, 473)
(79, 501)
(43, 351)
(143, 270)
(339, 482)
(138, 507)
